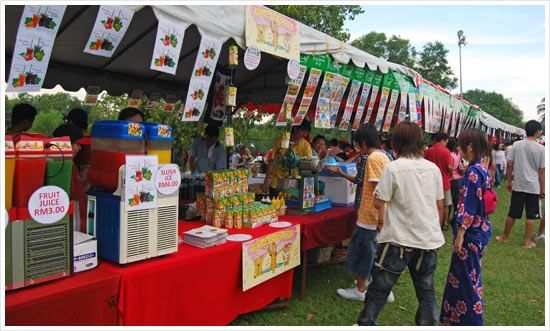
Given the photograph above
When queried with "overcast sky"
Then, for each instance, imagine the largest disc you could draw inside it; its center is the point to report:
(504, 51)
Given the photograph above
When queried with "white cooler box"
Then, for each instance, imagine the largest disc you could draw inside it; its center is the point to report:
(339, 190)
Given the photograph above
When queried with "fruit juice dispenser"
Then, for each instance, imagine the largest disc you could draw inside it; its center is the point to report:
(159, 141)
(59, 164)
(111, 142)
(10, 168)
(30, 168)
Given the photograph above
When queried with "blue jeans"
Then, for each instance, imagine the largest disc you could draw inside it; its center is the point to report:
(391, 261)
(361, 252)
(498, 175)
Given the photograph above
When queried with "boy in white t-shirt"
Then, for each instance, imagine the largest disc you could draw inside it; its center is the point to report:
(413, 191)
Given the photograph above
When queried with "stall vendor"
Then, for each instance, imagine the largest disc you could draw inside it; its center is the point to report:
(22, 119)
(240, 157)
(131, 114)
(206, 153)
(299, 145)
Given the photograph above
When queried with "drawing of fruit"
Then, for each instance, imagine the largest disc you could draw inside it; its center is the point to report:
(108, 24)
(117, 24)
(196, 111)
(38, 53)
(173, 40)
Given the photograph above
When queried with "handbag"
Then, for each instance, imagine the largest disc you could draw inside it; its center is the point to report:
(490, 198)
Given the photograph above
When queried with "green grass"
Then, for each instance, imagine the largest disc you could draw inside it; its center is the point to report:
(513, 280)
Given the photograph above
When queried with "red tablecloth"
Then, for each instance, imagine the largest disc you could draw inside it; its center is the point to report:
(88, 298)
(327, 227)
(194, 286)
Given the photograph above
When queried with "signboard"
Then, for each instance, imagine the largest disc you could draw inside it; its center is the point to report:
(309, 92)
(48, 204)
(350, 104)
(201, 77)
(168, 43)
(376, 81)
(270, 256)
(167, 179)
(140, 191)
(33, 46)
(109, 28)
(252, 58)
(322, 113)
(272, 32)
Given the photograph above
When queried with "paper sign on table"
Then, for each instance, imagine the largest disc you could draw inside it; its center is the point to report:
(168, 43)
(203, 71)
(109, 28)
(221, 81)
(272, 32)
(290, 98)
(33, 46)
(309, 92)
(350, 104)
(269, 256)
(140, 191)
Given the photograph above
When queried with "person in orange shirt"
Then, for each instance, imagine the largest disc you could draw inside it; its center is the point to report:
(362, 248)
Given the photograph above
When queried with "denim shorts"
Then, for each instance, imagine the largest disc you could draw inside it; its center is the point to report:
(361, 252)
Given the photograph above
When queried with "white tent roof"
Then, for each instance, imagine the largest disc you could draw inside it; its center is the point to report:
(129, 68)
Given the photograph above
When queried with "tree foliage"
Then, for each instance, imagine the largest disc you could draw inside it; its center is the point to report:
(433, 65)
(431, 62)
(327, 19)
(496, 105)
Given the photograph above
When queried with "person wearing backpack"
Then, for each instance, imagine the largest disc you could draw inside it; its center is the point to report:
(463, 296)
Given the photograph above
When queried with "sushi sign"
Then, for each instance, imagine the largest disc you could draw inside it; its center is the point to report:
(33, 46)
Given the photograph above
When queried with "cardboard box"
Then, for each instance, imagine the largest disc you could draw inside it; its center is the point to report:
(85, 252)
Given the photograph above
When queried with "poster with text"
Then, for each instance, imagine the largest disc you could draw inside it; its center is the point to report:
(362, 104)
(336, 98)
(271, 255)
(413, 116)
(307, 97)
(205, 65)
(350, 104)
(168, 43)
(322, 112)
(109, 28)
(292, 92)
(140, 190)
(382, 108)
(221, 81)
(402, 107)
(272, 32)
(391, 110)
(33, 47)
(372, 102)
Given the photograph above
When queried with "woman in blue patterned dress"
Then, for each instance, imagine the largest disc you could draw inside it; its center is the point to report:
(463, 296)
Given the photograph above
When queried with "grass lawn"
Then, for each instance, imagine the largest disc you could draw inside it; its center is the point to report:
(513, 280)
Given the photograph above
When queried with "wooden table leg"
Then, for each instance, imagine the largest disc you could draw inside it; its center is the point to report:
(304, 275)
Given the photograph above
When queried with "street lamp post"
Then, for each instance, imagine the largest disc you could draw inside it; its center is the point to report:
(461, 42)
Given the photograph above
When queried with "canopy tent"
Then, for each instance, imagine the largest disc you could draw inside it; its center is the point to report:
(129, 67)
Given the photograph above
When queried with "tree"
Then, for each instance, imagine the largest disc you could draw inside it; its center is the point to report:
(394, 49)
(433, 65)
(47, 121)
(327, 19)
(496, 105)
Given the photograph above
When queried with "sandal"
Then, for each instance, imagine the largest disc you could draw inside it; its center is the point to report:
(501, 239)
(445, 227)
(530, 245)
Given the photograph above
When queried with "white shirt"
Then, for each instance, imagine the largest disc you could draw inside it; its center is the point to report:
(411, 188)
(528, 158)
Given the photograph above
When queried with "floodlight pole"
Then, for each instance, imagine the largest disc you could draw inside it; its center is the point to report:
(461, 42)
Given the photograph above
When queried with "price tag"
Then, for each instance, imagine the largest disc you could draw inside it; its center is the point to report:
(48, 204)
(293, 69)
(167, 179)
(252, 57)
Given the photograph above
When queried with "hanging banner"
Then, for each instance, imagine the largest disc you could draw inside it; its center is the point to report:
(140, 191)
(322, 113)
(357, 76)
(203, 71)
(110, 26)
(309, 92)
(338, 92)
(168, 43)
(391, 109)
(376, 81)
(419, 97)
(221, 81)
(33, 47)
(413, 115)
(269, 256)
(387, 84)
(365, 91)
(290, 98)
(272, 32)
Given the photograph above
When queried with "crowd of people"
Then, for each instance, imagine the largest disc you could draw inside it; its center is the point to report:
(407, 195)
